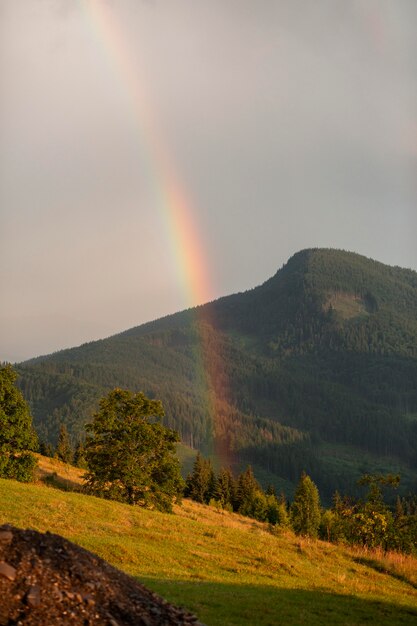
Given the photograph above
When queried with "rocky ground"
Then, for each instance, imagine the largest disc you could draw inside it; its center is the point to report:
(46, 580)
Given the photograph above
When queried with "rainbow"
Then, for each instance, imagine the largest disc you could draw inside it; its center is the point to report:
(174, 206)
(172, 201)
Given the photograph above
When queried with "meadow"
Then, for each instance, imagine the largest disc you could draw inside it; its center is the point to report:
(228, 569)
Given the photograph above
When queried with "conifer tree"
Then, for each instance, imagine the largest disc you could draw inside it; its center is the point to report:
(270, 490)
(79, 455)
(247, 494)
(46, 449)
(201, 483)
(17, 437)
(225, 488)
(64, 449)
(305, 510)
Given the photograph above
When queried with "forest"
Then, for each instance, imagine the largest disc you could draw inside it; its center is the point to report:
(315, 370)
(130, 457)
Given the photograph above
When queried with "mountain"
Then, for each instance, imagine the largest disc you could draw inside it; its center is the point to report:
(316, 370)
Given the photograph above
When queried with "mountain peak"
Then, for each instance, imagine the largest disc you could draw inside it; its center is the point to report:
(321, 354)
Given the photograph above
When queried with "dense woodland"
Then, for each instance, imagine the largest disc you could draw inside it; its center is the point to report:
(319, 360)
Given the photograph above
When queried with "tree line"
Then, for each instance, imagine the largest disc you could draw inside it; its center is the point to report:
(131, 457)
(367, 521)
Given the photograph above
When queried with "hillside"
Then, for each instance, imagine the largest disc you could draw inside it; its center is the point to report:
(227, 569)
(316, 369)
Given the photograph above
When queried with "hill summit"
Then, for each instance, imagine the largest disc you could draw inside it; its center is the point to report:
(313, 370)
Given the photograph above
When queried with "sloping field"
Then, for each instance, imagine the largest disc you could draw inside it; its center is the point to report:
(227, 569)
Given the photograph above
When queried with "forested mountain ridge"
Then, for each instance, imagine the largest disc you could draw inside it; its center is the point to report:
(316, 369)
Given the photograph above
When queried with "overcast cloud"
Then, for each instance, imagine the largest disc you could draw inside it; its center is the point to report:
(291, 124)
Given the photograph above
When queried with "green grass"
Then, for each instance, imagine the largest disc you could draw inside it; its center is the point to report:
(228, 569)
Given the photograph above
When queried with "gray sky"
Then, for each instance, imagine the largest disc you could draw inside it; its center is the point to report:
(289, 124)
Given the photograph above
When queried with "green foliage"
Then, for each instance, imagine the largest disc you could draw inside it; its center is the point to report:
(305, 510)
(79, 455)
(244, 495)
(64, 449)
(129, 456)
(17, 436)
(225, 488)
(201, 483)
(276, 512)
(323, 352)
(404, 536)
(46, 449)
(249, 497)
(371, 522)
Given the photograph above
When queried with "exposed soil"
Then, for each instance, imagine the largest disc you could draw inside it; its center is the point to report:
(46, 580)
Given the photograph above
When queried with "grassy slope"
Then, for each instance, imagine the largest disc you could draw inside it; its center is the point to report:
(226, 568)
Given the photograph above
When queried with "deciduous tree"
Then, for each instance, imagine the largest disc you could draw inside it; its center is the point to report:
(130, 456)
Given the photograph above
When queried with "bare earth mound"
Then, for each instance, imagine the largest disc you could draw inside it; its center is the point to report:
(47, 580)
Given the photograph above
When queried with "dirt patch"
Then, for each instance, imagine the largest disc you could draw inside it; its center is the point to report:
(47, 580)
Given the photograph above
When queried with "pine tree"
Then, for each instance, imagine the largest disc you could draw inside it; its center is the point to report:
(276, 512)
(225, 488)
(201, 483)
(17, 436)
(270, 490)
(46, 449)
(305, 510)
(64, 449)
(79, 455)
(247, 495)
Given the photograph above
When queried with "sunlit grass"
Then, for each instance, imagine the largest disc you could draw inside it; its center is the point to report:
(58, 474)
(227, 568)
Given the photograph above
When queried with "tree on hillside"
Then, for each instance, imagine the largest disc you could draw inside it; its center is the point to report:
(79, 455)
(201, 483)
(305, 510)
(225, 488)
(250, 499)
(17, 436)
(130, 456)
(64, 449)
(46, 449)
(372, 523)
